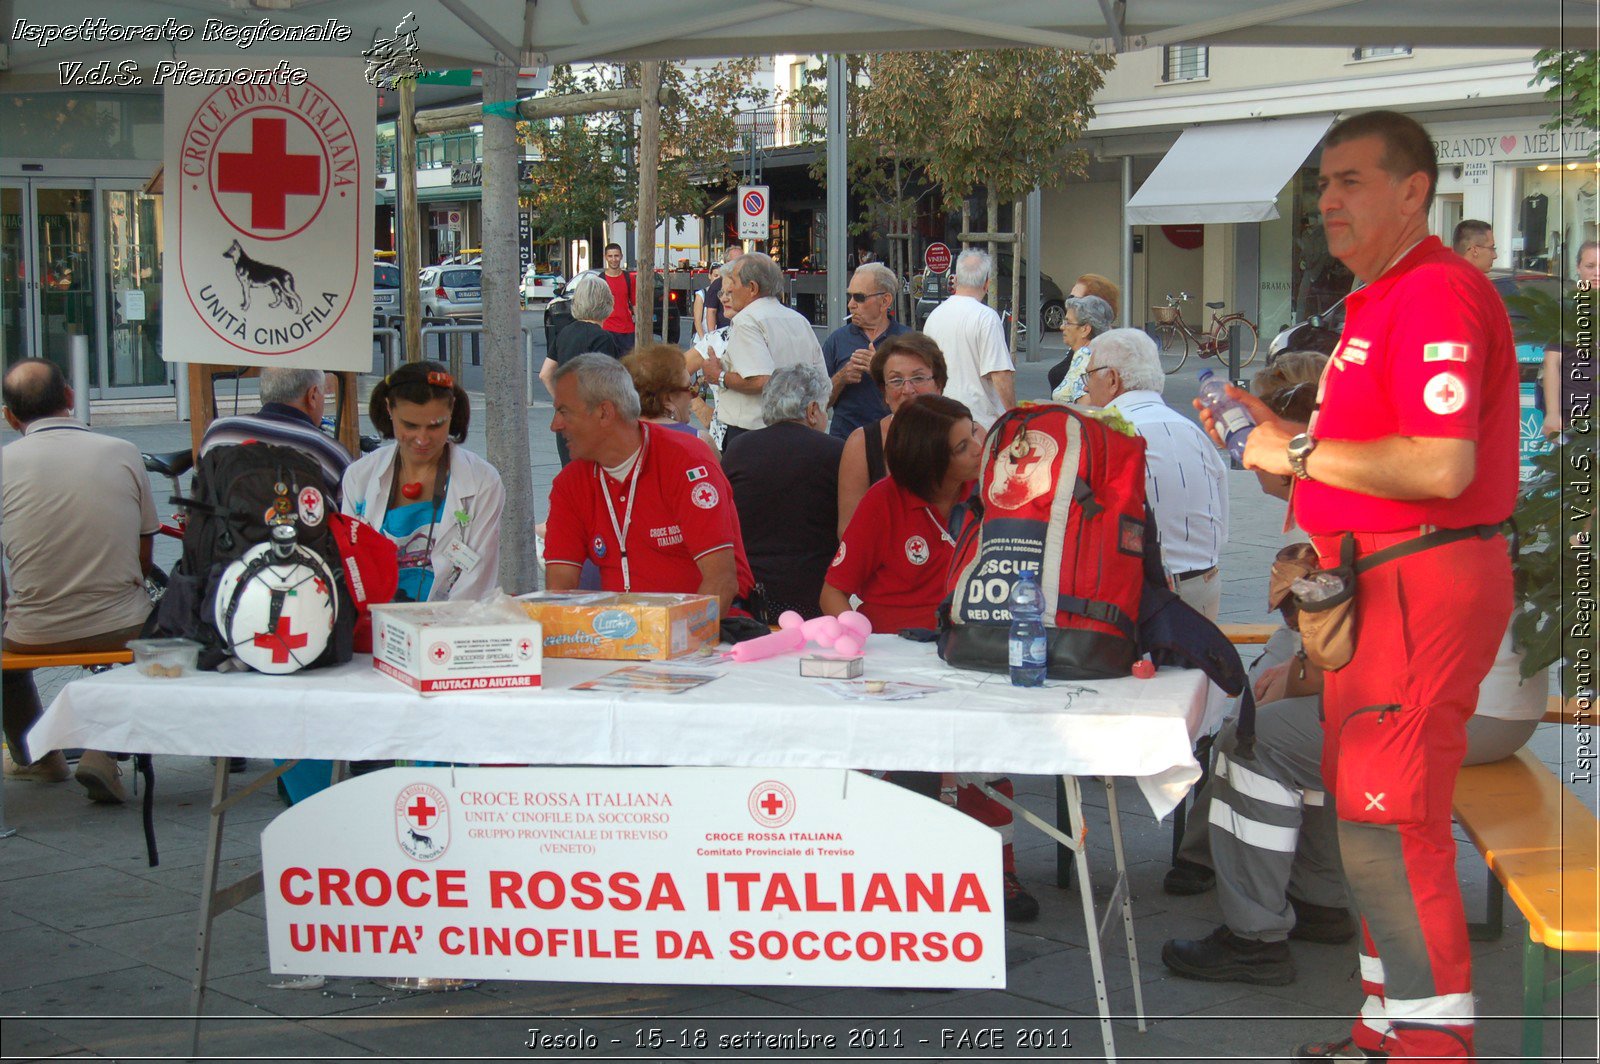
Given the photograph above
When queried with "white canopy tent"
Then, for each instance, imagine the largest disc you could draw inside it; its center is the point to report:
(530, 33)
(1226, 173)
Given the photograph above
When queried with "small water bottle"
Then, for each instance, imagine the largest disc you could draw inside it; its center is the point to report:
(1027, 657)
(1233, 420)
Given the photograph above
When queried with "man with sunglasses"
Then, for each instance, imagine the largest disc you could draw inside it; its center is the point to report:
(969, 333)
(855, 400)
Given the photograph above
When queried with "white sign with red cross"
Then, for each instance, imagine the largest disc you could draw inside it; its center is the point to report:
(816, 877)
(755, 212)
(269, 220)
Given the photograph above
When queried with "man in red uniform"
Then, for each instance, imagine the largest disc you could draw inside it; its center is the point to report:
(649, 507)
(1414, 442)
(620, 322)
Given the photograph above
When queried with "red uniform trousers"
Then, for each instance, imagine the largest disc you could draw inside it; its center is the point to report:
(1427, 628)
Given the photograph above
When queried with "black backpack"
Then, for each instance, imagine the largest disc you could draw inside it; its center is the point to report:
(240, 492)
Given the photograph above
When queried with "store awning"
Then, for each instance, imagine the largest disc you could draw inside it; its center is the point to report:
(1226, 173)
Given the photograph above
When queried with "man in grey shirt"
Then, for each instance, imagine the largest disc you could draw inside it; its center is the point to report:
(79, 520)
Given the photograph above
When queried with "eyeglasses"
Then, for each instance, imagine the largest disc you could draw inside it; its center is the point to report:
(861, 297)
(895, 384)
(1097, 369)
(1073, 324)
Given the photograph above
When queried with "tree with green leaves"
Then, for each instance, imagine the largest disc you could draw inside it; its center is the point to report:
(588, 167)
(1573, 77)
(1002, 121)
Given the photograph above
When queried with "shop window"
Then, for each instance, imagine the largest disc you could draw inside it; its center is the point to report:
(1555, 213)
(1381, 53)
(1185, 62)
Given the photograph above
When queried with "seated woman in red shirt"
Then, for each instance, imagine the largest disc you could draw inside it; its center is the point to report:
(897, 548)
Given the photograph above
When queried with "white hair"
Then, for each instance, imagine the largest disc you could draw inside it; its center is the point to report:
(881, 276)
(791, 390)
(282, 385)
(601, 379)
(973, 268)
(1133, 355)
(591, 298)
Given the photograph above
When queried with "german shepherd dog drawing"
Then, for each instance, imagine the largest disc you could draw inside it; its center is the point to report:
(253, 274)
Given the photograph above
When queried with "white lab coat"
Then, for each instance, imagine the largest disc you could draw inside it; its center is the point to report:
(475, 491)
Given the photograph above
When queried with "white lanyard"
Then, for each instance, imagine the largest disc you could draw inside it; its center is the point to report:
(627, 512)
(943, 533)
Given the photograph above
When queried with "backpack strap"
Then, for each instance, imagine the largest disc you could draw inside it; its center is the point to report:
(1104, 612)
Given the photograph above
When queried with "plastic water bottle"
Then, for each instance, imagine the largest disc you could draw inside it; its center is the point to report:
(1233, 420)
(1027, 657)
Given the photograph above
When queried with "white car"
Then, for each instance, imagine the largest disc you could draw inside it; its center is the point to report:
(540, 287)
(385, 290)
(452, 292)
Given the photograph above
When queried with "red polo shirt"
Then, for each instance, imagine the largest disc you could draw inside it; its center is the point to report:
(1426, 351)
(682, 511)
(621, 317)
(894, 555)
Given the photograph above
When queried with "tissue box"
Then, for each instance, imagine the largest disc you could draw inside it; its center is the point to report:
(817, 665)
(445, 647)
(618, 627)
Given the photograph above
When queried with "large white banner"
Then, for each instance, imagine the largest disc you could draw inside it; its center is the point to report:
(707, 875)
(269, 192)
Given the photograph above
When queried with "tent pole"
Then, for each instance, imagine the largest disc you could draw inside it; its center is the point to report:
(838, 187)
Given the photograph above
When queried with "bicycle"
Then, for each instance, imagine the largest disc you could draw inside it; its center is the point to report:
(1173, 331)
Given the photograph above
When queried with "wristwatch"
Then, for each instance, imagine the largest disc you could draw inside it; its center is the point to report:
(1300, 449)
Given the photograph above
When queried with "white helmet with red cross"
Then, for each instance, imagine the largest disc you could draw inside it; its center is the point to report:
(275, 605)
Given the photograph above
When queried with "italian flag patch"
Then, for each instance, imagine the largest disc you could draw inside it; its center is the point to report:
(697, 473)
(1444, 352)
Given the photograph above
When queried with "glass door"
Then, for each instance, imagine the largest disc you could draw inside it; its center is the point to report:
(16, 287)
(64, 262)
(132, 290)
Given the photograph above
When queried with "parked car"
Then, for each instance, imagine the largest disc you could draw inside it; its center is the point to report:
(538, 286)
(385, 290)
(558, 313)
(452, 292)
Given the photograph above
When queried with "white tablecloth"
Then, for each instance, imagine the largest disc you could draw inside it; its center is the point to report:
(758, 714)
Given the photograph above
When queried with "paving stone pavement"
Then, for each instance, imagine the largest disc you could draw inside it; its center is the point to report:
(98, 947)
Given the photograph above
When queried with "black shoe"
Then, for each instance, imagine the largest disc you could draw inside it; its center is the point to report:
(1321, 923)
(1020, 905)
(1186, 878)
(238, 764)
(1344, 1049)
(1224, 957)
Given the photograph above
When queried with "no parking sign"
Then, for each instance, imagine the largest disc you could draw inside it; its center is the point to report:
(755, 212)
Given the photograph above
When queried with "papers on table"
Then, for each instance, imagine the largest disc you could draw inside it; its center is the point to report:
(879, 690)
(656, 679)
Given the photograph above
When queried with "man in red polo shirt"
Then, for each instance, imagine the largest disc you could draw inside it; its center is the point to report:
(620, 322)
(1414, 443)
(649, 507)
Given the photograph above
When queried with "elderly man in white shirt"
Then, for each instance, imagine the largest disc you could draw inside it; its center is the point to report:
(976, 355)
(1185, 476)
(765, 335)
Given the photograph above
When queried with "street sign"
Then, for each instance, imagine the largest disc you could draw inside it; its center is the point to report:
(755, 211)
(937, 258)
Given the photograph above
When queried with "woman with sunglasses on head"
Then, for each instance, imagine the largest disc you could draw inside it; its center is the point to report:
(903, 367)
(436, 500)
(660, 375)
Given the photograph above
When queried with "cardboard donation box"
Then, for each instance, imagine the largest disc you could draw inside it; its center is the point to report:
(602, 624)
(437, 647)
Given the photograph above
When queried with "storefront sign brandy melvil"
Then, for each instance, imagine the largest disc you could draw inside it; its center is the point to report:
(269, 219)
(818, 877)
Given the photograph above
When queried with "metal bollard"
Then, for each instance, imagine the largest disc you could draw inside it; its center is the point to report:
(78, 359)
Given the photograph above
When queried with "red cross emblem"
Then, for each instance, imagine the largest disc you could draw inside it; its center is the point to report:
(320, 584)
(1446, 393)
(1025, 461)
(268, 173)
(421, 811)
(771, 803)
(440, 653)
(525, 646)
(281, 641)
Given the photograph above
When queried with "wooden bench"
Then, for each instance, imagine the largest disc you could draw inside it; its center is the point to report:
(1565, 711)
(13, 659)
(1540, 843)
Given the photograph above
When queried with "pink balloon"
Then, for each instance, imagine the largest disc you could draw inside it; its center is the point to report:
(790, 619)
(847, 646)
(857, 622)
(823, 630)
(769, 646)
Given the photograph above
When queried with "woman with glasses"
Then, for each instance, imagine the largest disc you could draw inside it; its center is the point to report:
(1085, 318)
(896, 548)
(661, 377)
(903, 367)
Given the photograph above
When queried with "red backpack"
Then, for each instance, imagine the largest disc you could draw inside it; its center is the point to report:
(1061, 494)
